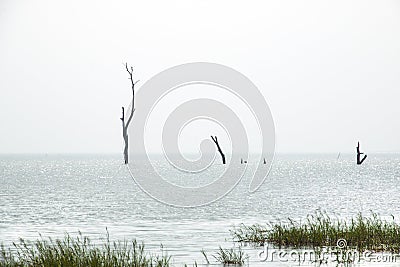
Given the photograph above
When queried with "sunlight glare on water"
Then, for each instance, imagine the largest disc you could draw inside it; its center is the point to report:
(52, 195)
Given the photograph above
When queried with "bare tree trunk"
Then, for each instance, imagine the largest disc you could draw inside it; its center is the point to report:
(126, 161)
(214, 138)
(125, 125)
(124, 136)
(359, 160)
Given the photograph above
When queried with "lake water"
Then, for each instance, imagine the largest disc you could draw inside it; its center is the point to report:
(67, 193)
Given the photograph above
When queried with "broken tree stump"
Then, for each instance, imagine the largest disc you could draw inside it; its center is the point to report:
(214, 138)
(359, 160)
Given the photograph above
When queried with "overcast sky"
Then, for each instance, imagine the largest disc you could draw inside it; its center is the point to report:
(329, 70)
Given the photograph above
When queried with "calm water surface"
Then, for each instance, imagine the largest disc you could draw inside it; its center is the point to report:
(67, 193)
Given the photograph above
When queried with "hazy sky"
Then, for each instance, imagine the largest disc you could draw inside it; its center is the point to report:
(329, 70)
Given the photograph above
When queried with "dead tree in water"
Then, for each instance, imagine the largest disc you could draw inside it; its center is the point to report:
(359, 162)
(214, 138)
(125, 125)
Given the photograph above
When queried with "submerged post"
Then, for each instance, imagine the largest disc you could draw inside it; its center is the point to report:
(359, 160)
(214, 138)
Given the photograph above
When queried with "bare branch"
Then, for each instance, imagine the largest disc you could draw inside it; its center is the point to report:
(123, 114)
(133, 92)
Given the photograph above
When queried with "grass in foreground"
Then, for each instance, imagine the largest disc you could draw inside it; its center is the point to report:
(362, 233)
(228, 256)
(79, 251)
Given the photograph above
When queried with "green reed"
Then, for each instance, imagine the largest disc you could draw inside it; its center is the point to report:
(319, 229)
(228, 256)
(79, 251)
